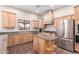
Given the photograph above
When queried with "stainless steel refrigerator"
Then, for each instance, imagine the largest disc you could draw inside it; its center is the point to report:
(65, 33)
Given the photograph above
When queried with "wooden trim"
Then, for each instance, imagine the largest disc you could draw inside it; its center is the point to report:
(8, 12)
(76, 6)
(64, 16)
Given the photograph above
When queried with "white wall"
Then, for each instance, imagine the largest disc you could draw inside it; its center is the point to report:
(64, 11)
(19, 14)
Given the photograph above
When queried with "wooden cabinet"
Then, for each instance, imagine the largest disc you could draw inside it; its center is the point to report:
(8, 19)
(68, 17)
(9, 42)
(29, 36)
(35, 44)
(15, 39)
(39, 44)
(22, 38)
(77, 12)
(26, 37)
(12, 20)
(42, 45)
(35, 24)
(5, 19)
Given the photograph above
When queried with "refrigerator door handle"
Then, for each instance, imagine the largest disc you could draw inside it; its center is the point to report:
(63, 28)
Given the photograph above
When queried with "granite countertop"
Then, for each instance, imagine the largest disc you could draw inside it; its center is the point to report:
(2, 31)
(50, 30)
(46, 37)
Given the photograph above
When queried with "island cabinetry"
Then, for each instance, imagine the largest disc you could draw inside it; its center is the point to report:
(35, 44)
(42, 45)
(39, 44)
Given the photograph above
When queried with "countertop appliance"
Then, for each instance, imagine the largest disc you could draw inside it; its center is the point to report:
(66, 34)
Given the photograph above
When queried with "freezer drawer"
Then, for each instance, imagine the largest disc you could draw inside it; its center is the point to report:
(68, 44)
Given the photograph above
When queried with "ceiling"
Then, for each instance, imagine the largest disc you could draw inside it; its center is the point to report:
(33, 8)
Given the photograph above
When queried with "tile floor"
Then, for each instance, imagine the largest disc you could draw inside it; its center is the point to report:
(27, 48)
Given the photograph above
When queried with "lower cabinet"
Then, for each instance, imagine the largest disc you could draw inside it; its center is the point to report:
(15, 39)
(42, 45)
(35, 44)
(39, 44)
(9, 42)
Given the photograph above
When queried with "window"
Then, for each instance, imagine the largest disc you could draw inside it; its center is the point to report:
(23, 24)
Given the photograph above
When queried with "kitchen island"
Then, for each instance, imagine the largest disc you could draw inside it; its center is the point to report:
(13, 37)
(41, 42)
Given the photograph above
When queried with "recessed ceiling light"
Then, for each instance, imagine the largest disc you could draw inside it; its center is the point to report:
(37, 8)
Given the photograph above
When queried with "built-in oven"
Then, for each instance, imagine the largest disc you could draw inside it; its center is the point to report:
(77, 33)
(78, 28)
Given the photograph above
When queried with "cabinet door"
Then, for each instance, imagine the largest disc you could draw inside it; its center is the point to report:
(12, 20)
(9, 19)
(22, 38)
(68, 44)
(77, 13)
(30, 37)
(35, 24)
(9, 43)
(35, 44)
(42, 45)
(16, 39)
(5, 21)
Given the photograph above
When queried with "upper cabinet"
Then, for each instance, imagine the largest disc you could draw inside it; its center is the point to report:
(76, 12)
(76, 8)
(8, 19)
(37, 23)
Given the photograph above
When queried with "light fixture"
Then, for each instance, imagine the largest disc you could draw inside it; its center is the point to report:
(37, 8)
